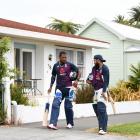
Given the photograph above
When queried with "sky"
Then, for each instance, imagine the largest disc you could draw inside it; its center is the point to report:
(39, 12)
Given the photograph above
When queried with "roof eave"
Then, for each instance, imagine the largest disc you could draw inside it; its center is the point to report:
(52, 38)
(133, 40)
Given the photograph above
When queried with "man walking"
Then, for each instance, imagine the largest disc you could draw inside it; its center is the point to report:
(99, 78)
(62, 73)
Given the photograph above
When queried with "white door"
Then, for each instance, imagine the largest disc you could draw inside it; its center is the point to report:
(25, 63)
(28, 63)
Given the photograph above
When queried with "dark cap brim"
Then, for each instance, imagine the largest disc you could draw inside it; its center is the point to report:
(103, 60)
(100, 60)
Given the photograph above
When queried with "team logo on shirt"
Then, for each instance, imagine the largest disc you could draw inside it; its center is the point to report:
(98, 75)
(62, 71)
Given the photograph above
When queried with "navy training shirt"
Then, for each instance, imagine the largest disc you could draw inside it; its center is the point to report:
(61, 73)
(100, 77)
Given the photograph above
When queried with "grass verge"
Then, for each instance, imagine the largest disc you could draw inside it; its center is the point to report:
(132, 129)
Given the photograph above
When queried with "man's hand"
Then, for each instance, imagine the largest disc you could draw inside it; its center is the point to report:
(49, 90)
(105, 96)
(88, 81)
(75, 84)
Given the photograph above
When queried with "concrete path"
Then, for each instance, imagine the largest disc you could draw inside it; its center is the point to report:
(34, 131)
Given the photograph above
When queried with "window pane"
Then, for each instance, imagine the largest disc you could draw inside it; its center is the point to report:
(69, 55)
(81, 69)
(17, 58)
(80, 58)
(17, 62)
(57, 54)
(27, 64)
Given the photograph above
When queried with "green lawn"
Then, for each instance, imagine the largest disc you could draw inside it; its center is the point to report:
(126, 129)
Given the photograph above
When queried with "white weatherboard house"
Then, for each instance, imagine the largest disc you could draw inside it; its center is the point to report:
(124, 46)
(32, 48)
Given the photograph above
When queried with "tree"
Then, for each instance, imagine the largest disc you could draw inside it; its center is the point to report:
(62, 26)
(4, 48)
(135, 15)
(122, 20)
(135, 77)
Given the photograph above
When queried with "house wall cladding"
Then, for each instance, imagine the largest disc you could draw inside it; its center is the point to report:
(113, 55)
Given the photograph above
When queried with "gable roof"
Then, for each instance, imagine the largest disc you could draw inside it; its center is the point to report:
(123, 32)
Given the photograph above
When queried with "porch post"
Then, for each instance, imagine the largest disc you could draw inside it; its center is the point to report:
(7, 100)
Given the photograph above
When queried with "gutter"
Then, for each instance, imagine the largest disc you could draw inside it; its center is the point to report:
(53, 38)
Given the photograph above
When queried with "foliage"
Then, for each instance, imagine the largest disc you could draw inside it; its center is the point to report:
(84, 94)
(2, 112)
(135, 15)
(4, 71)
(17, 94)
(62, 26)
(121, 19)
(133, 20)
(2, 115)
(4, 48)
(126, 129)
(134, 79)
(123, 92)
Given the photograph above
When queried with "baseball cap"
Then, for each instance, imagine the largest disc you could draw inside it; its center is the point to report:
(99, 57)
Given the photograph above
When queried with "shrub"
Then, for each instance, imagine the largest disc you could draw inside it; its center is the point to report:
(17, 94)
(4, 48)
(4, 72)
(123, 92)
(134, 79)
(2, 112)
(84, 94)
(2, 115)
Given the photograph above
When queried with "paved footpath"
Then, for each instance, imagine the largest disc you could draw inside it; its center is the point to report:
(34, 131)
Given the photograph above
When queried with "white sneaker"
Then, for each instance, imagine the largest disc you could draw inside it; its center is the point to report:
(69, 126)
(102, 132)
(51, 126)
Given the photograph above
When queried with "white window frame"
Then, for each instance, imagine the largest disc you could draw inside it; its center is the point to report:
(33, 60)
(82, 66)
